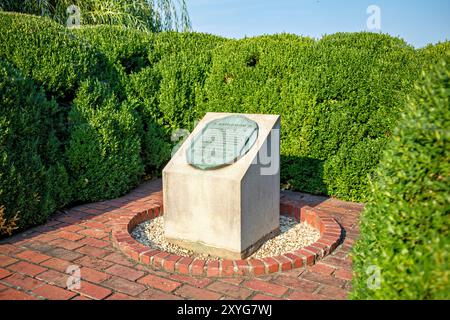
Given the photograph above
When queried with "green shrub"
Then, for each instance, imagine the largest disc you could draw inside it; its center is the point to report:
(168, 88)
(116, 95)
(104, 146)
(127, 49)
(165, 70)
(338, 97)
(33, 181)
(143, 88)
(51, 55)
(133, 55)
(184, 60)
(165, 91)
(405, 226)
(434, 53)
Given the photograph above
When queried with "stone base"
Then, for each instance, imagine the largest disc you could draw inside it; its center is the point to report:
(220, 252)
(291, 205)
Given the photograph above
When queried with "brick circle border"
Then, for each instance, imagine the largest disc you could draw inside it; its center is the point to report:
(330, 237)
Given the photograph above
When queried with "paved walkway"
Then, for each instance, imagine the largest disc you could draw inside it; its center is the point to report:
(34, 263)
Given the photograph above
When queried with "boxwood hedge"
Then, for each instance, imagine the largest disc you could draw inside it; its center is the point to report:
(127, 49)
(338, 97)
(94, 147)
(51, 55)
(405, 226)
(33, 180)
(104, 147)
(118, 94)
(184, 60)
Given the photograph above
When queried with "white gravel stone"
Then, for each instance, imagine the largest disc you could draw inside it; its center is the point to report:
(293, 236)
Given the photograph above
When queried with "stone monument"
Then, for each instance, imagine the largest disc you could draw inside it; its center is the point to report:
(221, 188)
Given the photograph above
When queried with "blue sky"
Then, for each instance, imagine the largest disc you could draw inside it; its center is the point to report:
(419, 22)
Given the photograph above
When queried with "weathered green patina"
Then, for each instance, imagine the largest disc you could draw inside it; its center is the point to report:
(222, 142)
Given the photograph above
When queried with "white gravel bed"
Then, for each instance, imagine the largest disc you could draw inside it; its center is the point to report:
(293, 236)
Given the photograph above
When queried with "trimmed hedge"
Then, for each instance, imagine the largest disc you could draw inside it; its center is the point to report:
(164, 73)
(127, 49)
(119, 94)
(405, 227)
(33, 180)
(338, 97)
(166, 91)
(184, 60)
(94, 146)
(131, 51)
(434, 53)
(104, 147)
(51, 55)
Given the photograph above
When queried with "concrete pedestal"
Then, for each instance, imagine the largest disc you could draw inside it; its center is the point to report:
(229, 211)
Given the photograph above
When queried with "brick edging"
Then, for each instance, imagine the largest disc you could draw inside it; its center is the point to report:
(330, 236)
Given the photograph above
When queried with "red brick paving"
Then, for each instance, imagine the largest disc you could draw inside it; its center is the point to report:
(260, 296)
(4, 273)
(190, 292)
(266, 287)
(54, 293)
(322, 268)
(160, 283)
(5, 260)
(33, 263)
(12, 294)
(234, 291)
(54, 277)
(92, 291)
(22, 281)
(93, 275)
(26, 268)
(125, 272)
(124, 286)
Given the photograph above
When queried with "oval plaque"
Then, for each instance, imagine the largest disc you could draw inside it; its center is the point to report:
(222, 142)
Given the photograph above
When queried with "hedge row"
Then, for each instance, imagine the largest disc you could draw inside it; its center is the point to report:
(119, 94)
(164, 73)
(339, 97)
(103, 152)
(85, 129)
(33, 180)
(404, 239)
(50, 55)
(65, 135)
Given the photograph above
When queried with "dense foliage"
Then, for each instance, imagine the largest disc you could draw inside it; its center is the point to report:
(118, 95)
(50, 55)
(104, 147)
(33, 179)
(338, 98)
(405, 226)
